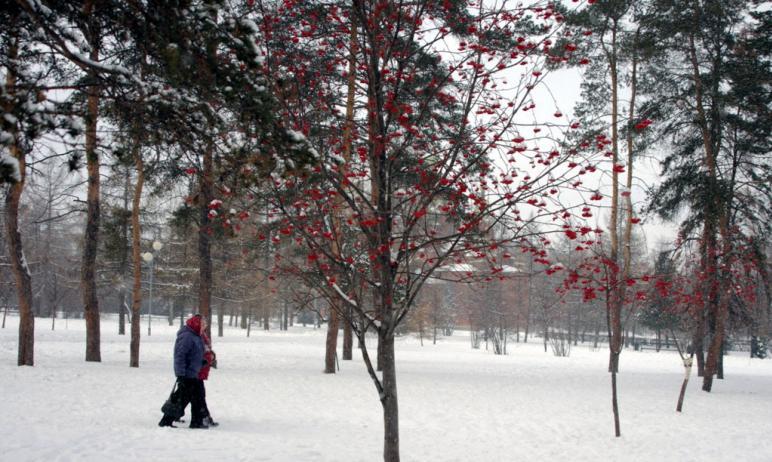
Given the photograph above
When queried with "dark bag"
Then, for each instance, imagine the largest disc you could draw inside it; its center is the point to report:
(173, 406)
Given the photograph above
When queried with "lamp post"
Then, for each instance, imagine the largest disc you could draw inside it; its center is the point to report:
(149, 258)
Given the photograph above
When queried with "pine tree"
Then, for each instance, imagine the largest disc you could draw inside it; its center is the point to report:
(710, 169)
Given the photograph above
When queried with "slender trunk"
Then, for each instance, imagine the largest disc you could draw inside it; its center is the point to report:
(220, 320)
(379, 197)
(717, 340)
(122, 312)
(687, 373)
(136, 246)
(628, 204)
(205, 196)
(389, 402)
(244, 315)
(348, 338)
(52, 282)
(53, 313)
(720, 370)
(615, 401)
(577, 322)
(91, 237)
(528, 306)
(19, 267)
(124, 258)
(249, 321)
(331, 346)
(698, 348)
(718, 301)
(615, 291)
(348, 135)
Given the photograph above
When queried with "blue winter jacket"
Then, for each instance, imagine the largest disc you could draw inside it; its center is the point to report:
(188, 353)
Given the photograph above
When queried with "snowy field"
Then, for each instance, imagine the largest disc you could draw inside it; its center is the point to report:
(456, 404)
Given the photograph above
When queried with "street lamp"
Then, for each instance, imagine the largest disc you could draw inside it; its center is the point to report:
(149, 259)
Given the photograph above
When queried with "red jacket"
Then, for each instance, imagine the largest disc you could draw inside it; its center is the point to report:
(209, 357)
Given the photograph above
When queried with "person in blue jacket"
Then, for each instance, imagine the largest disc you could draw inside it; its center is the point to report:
(188, 359)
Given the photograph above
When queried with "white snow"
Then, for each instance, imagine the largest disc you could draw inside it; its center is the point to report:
(456, 404)
(6, 158)
(343, 295)
(10, 118)
(295, 136)
(458, 268)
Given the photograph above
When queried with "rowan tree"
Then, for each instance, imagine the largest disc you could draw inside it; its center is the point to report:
(433, 156)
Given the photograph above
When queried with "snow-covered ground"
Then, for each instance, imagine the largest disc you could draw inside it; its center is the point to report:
(456, 404)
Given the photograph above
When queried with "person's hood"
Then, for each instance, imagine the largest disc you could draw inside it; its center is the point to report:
(195, 324)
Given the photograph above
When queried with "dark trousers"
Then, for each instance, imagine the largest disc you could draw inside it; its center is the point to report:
(189, 391)
(202, 392)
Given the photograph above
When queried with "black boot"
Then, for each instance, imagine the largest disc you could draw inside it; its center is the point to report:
(208, 421)
(166, 421)
(198, 425)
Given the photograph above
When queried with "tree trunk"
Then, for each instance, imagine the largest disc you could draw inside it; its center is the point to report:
(205, 196)
(698, 339)
(332, 336)
(348, 338)
(220, 320)
(331, 346)
(720, 369)
(614, 400)
(717, 221)
(528, 306)
(615, 294)
(53, 316)
(389, 402)
(136, 246)
(124, 258)
(244, 315)
(15, 248)
(716, 341)
(50, 274)
(19, 268)
(249, 320)
(91, 237)
(687, 373)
